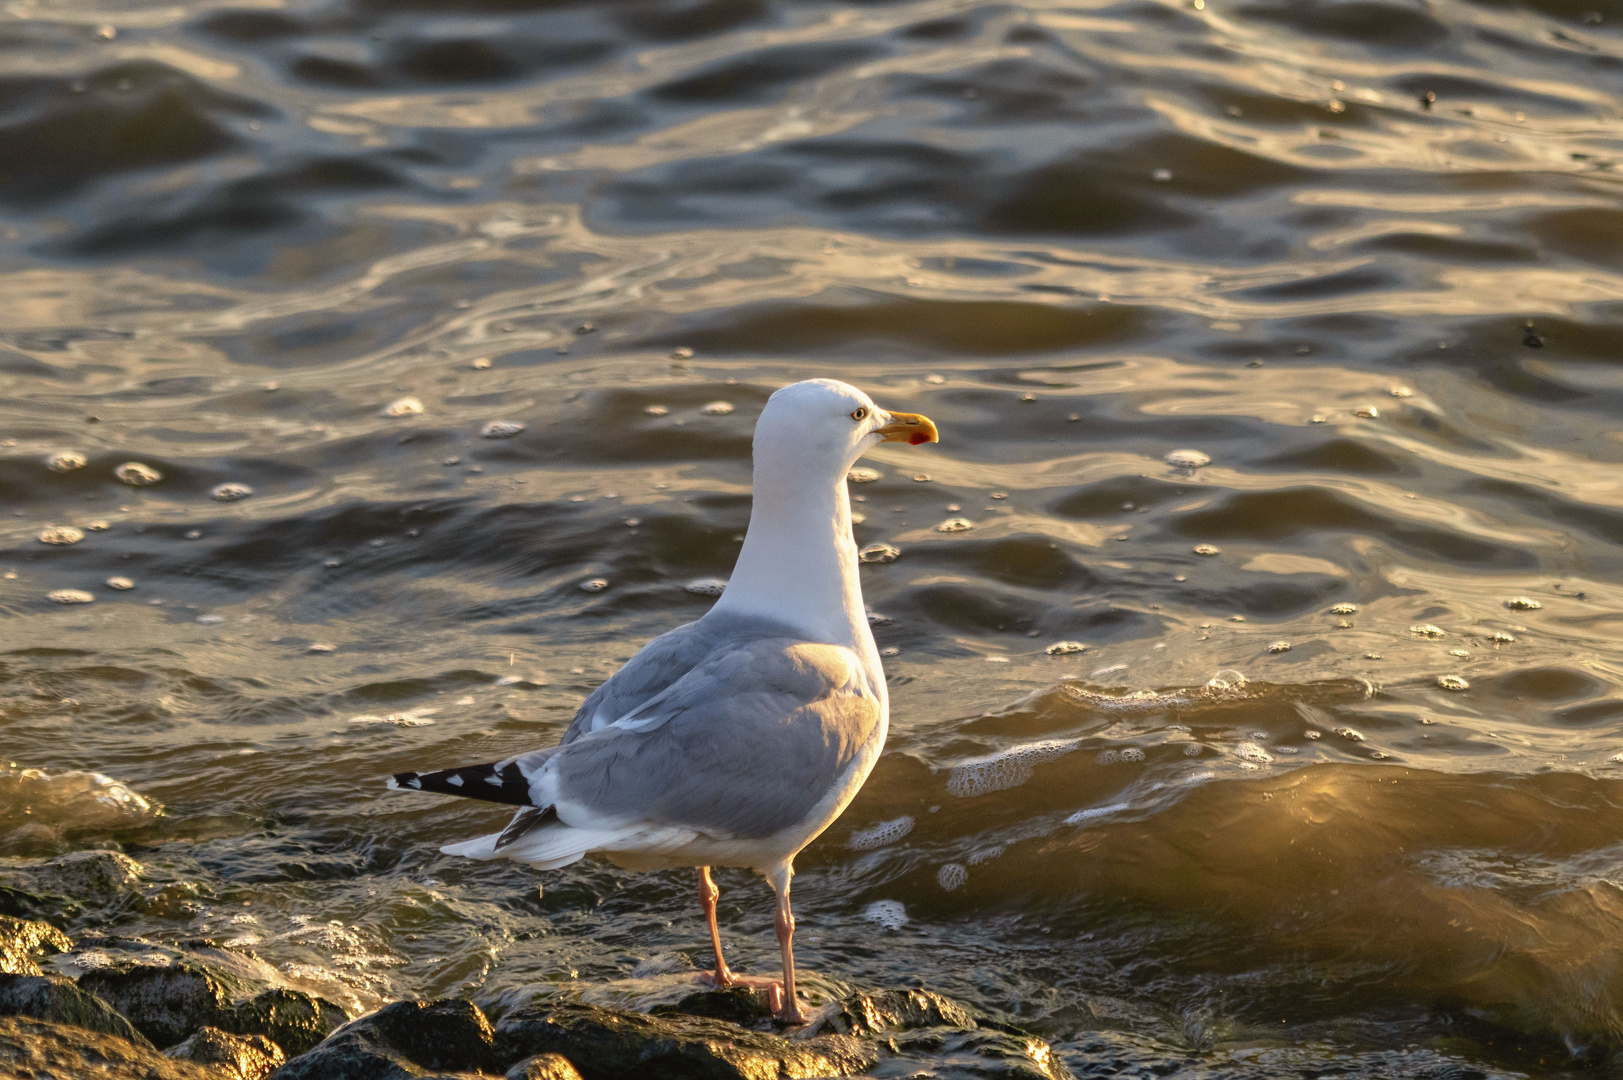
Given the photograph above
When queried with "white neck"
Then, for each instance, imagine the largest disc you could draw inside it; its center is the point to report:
(799, 563)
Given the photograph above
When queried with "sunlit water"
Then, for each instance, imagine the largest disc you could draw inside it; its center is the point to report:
(1334, 782)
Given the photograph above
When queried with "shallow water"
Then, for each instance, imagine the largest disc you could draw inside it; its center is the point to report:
(1366, 256)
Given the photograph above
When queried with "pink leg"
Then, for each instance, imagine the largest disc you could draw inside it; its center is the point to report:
(722, 976)
(788, 1009)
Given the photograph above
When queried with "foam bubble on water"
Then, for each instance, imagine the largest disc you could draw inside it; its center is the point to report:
(120, 583)
(211, 620)
(879, 553)
(501, 429)
(593, 585)
(1279, 646)
(717, 408)
(1350, 734)
(1250, 751)
(891, 914)
(706, 586)
(406, 406)
(1132, 754)
(1065, 648)
(863, 475)
(657, 410)
(1188, 459)
(1108, 757)
(1502, 638)
(61, 534)
(70, 596)
(98, 525)
(951, 876)
(1006, 769)
(1452, 682)
(877, 836)
(135, 474)
(1207, 549)
(1426, 630)
(1523, 603)
(1343, 609)
(1227, 679)
(1191, 750)
(231, 492)
(952, 525)
(65, 461)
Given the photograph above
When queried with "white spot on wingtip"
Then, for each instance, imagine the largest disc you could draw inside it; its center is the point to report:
(454, 781)
(414, 783)
(494, 781)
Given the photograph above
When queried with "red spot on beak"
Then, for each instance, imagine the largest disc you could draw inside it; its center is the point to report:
(918, 437)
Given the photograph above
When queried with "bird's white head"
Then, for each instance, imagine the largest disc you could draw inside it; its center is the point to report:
(825, 425)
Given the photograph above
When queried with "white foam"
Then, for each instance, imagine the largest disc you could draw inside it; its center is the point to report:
(951, 876)
(877, 836)
(1007, 769)
(891, 914)
(1093, 812)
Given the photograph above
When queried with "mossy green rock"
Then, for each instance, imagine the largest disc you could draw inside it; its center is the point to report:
(61, 1001)
(405, 1040)
(167, 1004)
(606, 1044)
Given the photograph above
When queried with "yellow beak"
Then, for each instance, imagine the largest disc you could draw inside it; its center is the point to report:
(909, 427)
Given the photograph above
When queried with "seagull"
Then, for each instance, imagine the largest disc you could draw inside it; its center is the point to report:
(737, 739)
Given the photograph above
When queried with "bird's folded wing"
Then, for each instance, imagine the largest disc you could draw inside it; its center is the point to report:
(742, 745)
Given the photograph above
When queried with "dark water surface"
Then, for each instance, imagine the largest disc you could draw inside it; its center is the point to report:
(1344, 795)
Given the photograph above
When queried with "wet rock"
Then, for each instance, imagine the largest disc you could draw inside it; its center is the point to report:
(606, 1044)
(81, 878)
(22, 939)
(736, 1005)
(41, 1050)
(236, 1057)
(879, 1011)
(61, 1001)
(168, 1003)
(543, 1067)
(405, 1039)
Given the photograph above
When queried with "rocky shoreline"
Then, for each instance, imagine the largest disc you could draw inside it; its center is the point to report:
(200, 1009)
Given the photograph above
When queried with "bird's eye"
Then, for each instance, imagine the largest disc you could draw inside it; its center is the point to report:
(860, 415)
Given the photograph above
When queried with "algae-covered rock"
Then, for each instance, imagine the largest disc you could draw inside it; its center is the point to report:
(403, 1040)
(233, 1057)
(61, 1001)
(41, 1050)
(170, 1000)
(606, 1044)
(22, 939)
(543, 1067)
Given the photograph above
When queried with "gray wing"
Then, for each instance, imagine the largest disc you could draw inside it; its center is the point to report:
(659, 664)
(744, 744)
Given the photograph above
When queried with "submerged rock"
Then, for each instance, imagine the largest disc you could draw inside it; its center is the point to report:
(606, 1044)
(22, 939)
(61, 888)
(402, 1040)
(168, 1003)
(234, 1057)
(61, 1001)
(42, 1050)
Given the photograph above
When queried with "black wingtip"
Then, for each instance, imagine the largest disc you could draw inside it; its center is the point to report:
(485, 782)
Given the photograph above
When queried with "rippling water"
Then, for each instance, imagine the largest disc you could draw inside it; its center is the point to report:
(1341, 793)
